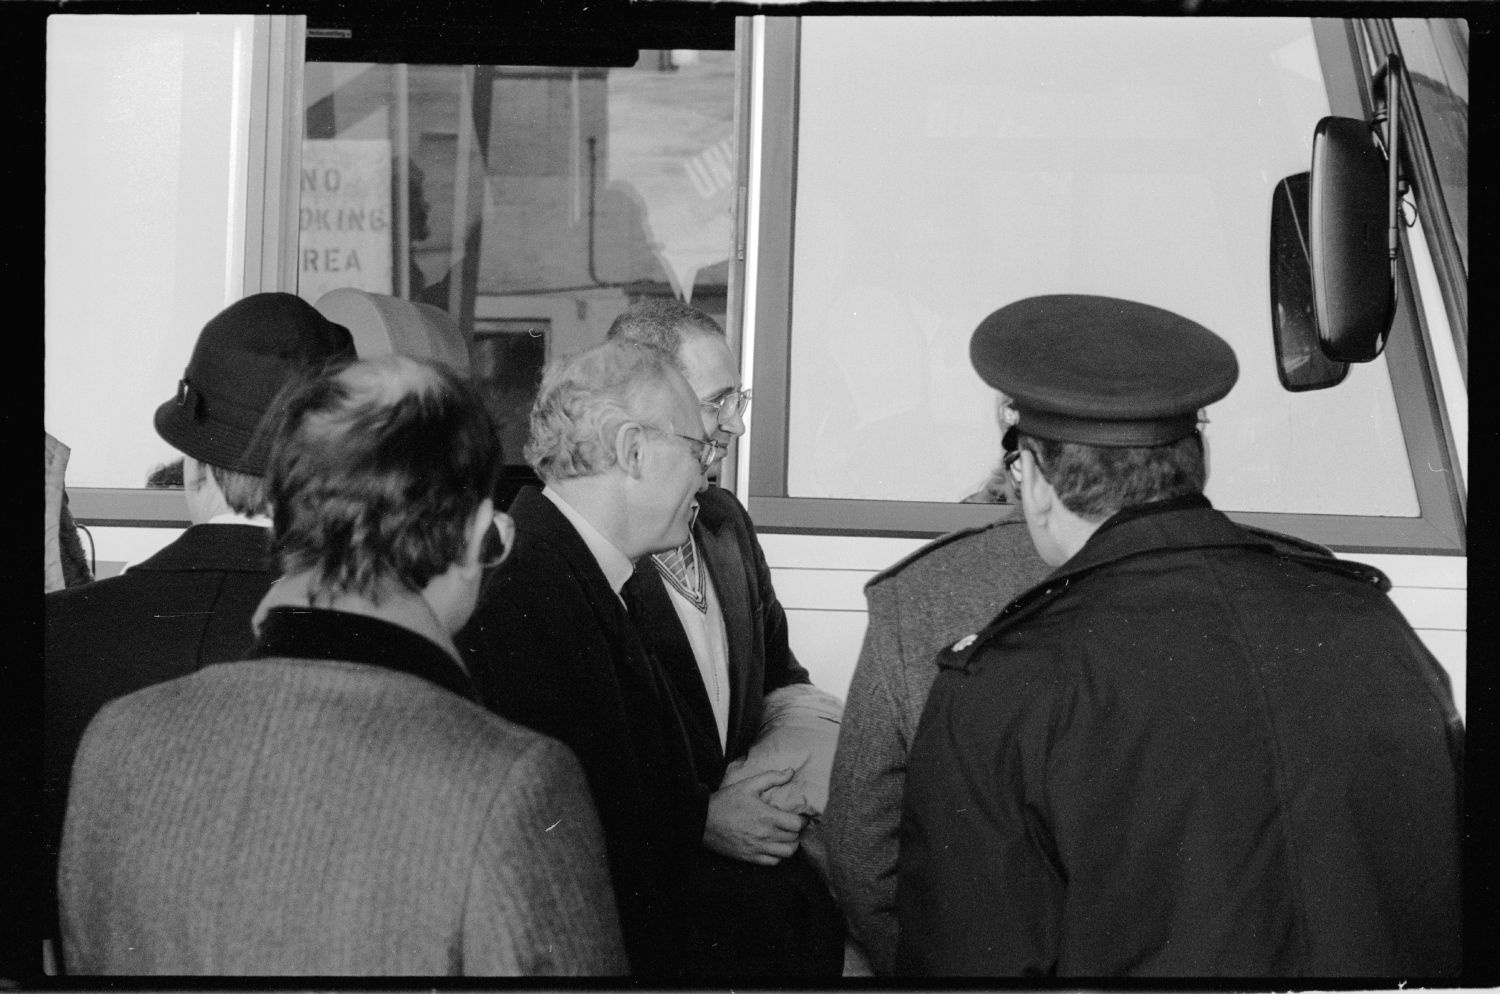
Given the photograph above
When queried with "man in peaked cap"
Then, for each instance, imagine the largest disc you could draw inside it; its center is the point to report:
(1194, 749)
(190, 604)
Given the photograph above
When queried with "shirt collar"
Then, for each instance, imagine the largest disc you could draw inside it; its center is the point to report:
(234, 518)
(616, 565)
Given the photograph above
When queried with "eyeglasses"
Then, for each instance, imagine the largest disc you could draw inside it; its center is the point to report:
(504, 536)
(708, 450)
(729, 406)
(1011, 461)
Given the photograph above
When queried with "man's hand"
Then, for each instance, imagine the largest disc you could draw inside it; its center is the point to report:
(741, 825)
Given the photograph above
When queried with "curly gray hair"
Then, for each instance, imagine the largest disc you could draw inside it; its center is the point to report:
(582, 400)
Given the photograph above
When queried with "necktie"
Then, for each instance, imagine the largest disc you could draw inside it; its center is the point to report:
(683, 570)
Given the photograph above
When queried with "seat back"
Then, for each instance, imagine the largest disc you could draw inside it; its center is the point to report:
(382, 324)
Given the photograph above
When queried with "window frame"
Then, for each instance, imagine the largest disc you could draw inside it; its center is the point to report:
(1439, 529)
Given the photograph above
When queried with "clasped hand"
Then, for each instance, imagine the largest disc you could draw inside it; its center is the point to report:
(743, 825)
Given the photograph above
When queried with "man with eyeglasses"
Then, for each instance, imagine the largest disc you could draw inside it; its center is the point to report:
(1194, 749)
(563, 642)
(716, 623)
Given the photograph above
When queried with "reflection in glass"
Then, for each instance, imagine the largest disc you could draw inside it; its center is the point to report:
(533, 203)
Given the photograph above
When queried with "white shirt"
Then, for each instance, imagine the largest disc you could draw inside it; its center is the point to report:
(232, 518)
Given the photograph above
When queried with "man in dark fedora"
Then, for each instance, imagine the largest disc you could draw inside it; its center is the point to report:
(1194, 749)
(190, 604)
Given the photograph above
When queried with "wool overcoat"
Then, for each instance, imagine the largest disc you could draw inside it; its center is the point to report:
(332, 806)
(1189, 752)
(553, 647)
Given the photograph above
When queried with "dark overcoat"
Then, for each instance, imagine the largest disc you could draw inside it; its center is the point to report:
(336, 804)
(187, 606)
(552, 647)
(1191, 751)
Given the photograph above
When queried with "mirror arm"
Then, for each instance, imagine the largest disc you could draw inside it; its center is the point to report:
(1393, 154)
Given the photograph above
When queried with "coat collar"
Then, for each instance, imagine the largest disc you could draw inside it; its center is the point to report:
(539, 522)
(214, 548)
(315, 633)
(1153, 529)
(1162, 526)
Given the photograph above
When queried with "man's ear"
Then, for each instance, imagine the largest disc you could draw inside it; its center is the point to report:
(479, 527)
(1036, 493)
(630, 448)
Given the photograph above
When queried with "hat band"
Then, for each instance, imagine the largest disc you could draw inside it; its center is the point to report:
(203, 406)
(1108, 434)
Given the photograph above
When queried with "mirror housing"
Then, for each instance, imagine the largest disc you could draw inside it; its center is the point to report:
(1300, 362)
(1353, 287)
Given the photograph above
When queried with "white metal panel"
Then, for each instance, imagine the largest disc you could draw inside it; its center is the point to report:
(822, 589)
(836, 551)
(827, 645)
(1444, 572)
(1430, 608)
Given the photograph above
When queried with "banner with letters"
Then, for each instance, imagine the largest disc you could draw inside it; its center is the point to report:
(345, 217)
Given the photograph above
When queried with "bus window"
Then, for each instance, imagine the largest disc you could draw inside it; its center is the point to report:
(531, 202)
(953, 165)
(148, 120)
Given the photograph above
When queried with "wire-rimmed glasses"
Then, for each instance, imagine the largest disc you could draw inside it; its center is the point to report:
(707, 450)
(729, 406)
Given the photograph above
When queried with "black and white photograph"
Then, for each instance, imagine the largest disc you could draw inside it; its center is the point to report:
(732, 496)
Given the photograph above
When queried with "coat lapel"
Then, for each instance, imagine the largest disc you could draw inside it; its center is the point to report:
(537, 519)
(661, 630)
(717, 542)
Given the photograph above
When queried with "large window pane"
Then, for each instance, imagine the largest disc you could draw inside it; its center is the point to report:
(532, 203)
(147, 125)
(958, 164)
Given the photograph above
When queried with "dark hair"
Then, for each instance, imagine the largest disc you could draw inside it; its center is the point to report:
(166, 476)
(1095, 481)
(376, 472)
(659, 322)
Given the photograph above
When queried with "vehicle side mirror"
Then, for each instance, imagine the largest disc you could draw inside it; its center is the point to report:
(1300, 362)
(1337, 227)
(1354, 290)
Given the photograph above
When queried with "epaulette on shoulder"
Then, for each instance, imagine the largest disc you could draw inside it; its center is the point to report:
(1358, 572)
(1319, 557)
(930, 547)
(961, 654)
(1289, 543)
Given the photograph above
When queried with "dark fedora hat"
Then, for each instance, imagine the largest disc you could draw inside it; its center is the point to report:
(243, 358)
(1102, 370)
